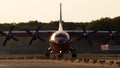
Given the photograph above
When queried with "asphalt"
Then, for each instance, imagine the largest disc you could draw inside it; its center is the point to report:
(51, 64)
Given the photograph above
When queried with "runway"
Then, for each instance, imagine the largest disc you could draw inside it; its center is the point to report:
(50, 64)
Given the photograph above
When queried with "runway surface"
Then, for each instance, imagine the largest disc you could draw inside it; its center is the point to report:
(50, 64)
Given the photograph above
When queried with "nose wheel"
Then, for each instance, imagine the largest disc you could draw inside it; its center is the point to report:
(60, 56)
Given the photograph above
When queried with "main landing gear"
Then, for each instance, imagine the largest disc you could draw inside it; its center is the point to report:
(60, 55)
(47, 54)
(74, 55)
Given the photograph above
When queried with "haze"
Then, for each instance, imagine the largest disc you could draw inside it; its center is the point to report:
(48, 10)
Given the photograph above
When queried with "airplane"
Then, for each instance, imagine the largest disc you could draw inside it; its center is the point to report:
(60, 39)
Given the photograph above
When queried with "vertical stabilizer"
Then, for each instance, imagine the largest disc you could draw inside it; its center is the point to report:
(60, 21)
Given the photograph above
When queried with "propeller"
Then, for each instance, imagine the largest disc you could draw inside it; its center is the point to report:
(8, 36)
(112, 36)
(35, 35)
(85, 35)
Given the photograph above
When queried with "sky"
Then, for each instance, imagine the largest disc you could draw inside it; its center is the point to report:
(48, 10)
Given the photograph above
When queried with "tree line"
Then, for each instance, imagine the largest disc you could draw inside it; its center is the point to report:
(100, 24)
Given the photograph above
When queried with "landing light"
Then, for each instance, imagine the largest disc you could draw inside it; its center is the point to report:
(60, 51)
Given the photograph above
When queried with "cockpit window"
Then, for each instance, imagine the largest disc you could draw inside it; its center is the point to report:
(61, 35)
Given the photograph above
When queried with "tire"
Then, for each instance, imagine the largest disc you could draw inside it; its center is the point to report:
(74, 55)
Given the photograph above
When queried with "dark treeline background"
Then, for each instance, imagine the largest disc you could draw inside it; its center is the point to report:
(38, 47)
(101, 24)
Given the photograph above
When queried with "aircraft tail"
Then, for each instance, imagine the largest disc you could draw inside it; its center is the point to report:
(60, 21)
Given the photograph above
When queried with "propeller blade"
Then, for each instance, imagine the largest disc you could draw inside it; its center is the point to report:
(3, 33)
(28, 31)
(84, 28)
(112, 36)
(31, 42)
(11, 28)
(80, 38)
(89, 41)
(86, 35)
(33, 38)
(37, 29)
(8, 35)
(35, 35)
(4, 43)
(41, 39)
(14, 38)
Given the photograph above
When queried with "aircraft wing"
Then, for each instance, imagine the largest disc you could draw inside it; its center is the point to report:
(46, 33)
(77, 33)
(25, 34)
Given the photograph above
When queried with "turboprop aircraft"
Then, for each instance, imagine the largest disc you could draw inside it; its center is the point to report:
(60, 39)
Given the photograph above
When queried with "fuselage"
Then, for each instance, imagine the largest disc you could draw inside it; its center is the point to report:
(60, 41)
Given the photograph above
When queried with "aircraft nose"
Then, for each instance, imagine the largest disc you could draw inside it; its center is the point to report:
(60, 40)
